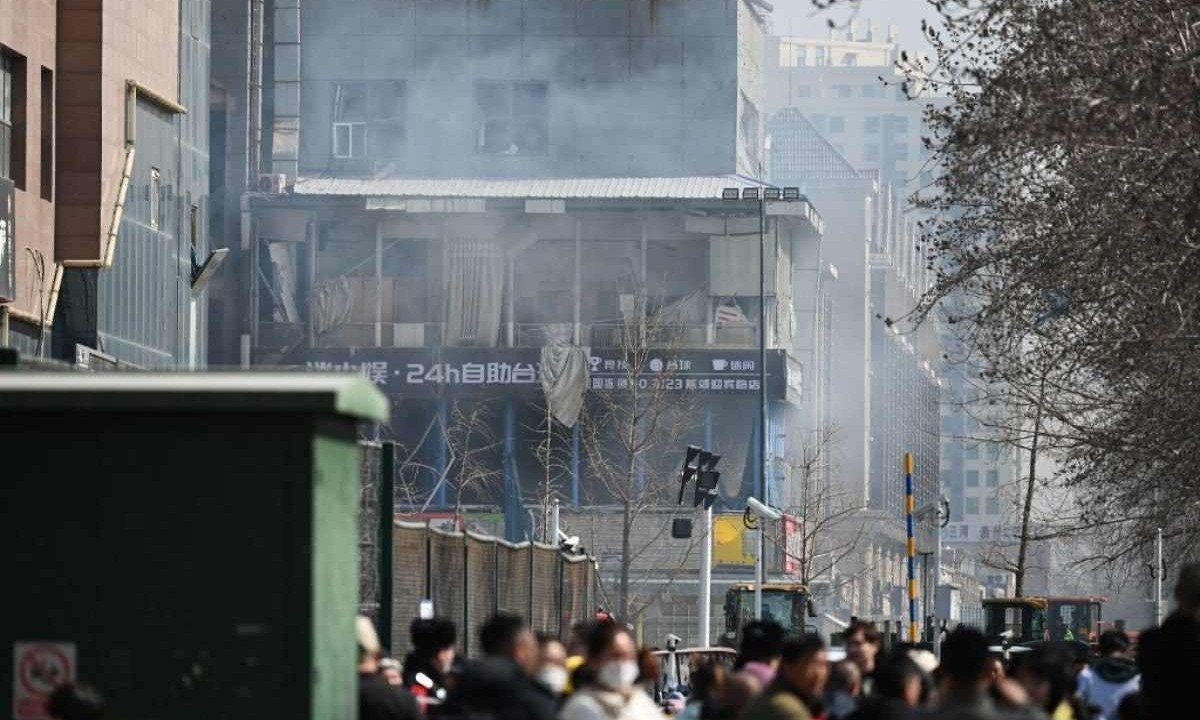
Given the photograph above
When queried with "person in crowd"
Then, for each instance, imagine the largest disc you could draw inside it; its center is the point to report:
(707, 698)
(862, 642)
(899, 684)
(758, 653)
(965, 681)
(843, 691)
(576, 652)
(995, 669)
(1130, 707)
(1169, 656)
(552, 666)
(740, 689)
(432, 657)
(75, 702)
(377, 698)
(501, 685)
(391, 670)
(800, 680)
(1112, 677)
(1048, 676)
(608, 689)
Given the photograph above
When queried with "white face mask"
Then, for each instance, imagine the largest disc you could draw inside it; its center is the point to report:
(619, 675)
(554, 678)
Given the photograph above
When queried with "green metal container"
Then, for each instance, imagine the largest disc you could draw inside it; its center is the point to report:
(192, 537)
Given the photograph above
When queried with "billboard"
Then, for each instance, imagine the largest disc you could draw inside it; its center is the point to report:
(429, 372)
(733, 543)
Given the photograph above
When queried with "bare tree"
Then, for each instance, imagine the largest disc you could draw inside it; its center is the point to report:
(631, 434)
(470, 446)
(832, 522)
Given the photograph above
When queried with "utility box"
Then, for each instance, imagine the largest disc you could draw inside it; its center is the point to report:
(185, 543)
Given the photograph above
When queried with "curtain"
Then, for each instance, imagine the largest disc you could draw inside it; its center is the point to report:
(474, 292)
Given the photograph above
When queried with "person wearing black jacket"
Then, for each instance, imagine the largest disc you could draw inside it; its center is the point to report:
(1169, 656)
(377, 698)
(501, 685)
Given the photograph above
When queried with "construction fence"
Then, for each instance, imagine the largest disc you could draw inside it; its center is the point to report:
(469, 577)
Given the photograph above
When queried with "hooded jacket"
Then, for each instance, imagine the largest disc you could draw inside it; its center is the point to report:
(1107, 681)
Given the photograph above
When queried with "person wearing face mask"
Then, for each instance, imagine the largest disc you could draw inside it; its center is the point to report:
(552, 673)
(611, 691)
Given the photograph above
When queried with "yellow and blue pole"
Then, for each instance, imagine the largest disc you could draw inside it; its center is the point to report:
(909, 508)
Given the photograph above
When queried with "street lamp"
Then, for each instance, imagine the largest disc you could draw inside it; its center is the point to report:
(767, 193)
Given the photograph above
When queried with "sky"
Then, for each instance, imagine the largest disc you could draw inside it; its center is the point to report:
(800, 17)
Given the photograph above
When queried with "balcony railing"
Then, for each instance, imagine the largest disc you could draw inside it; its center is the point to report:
(597, 335)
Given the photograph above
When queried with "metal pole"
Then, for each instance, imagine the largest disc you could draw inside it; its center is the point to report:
(909, 505)
(706, 579)
(937, 581)
(1159, 611)
(555, 528)
(762, 398)
(387, 477)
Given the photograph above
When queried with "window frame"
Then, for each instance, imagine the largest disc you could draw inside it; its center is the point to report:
(513, 117)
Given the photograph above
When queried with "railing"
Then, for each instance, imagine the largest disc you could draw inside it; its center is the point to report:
(596, 335)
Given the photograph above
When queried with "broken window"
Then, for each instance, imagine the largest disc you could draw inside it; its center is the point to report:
(349, 120)
(386, 129)
(512, 118)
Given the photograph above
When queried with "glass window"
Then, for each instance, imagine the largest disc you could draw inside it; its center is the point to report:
(512, 118)
(850, 59)
(993, 506)
(992, 477)
(900, 123)
(972, 506)
(842, 91)
(821, 56)
(873, 90)
(972, 478)
(871, 152)
(804, 91)
(349, 120)
(871, 125)
(6, 114)
(901, 151)
(837, 124)
(972, 451)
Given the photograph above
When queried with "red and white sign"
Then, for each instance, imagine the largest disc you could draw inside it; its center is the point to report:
(793, 546)
(38, 669)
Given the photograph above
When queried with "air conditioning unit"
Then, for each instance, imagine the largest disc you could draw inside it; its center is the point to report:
(272, 183)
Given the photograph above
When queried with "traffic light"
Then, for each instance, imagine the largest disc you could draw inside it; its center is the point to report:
(707, 480)
(690, 468)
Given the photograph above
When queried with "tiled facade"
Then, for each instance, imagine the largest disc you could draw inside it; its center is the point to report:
(27, 37)
(126, 82)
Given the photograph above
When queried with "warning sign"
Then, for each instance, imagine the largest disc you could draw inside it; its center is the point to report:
(39, 668)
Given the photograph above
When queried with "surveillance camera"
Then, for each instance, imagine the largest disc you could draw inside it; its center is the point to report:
(765, 512)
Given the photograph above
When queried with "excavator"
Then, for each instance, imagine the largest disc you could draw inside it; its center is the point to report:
(786, 603)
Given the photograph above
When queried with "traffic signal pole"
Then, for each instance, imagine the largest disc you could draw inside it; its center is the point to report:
(706, 579)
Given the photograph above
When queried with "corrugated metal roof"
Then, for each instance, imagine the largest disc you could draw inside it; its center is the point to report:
(616, 188)
(799, 153)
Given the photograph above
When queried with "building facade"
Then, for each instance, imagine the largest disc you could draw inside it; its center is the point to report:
(884, 390)
(109, 142)
(441, 193)
(28, 42)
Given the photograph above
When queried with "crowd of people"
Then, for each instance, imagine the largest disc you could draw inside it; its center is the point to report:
(602, 674)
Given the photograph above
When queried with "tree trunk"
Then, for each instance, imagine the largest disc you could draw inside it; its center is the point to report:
(1023, 547)
(626, 533)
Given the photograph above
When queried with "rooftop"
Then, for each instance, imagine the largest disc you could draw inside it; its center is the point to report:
(607, 188)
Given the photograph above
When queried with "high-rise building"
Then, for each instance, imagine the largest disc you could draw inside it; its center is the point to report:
(850, 90)
(105, 142)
